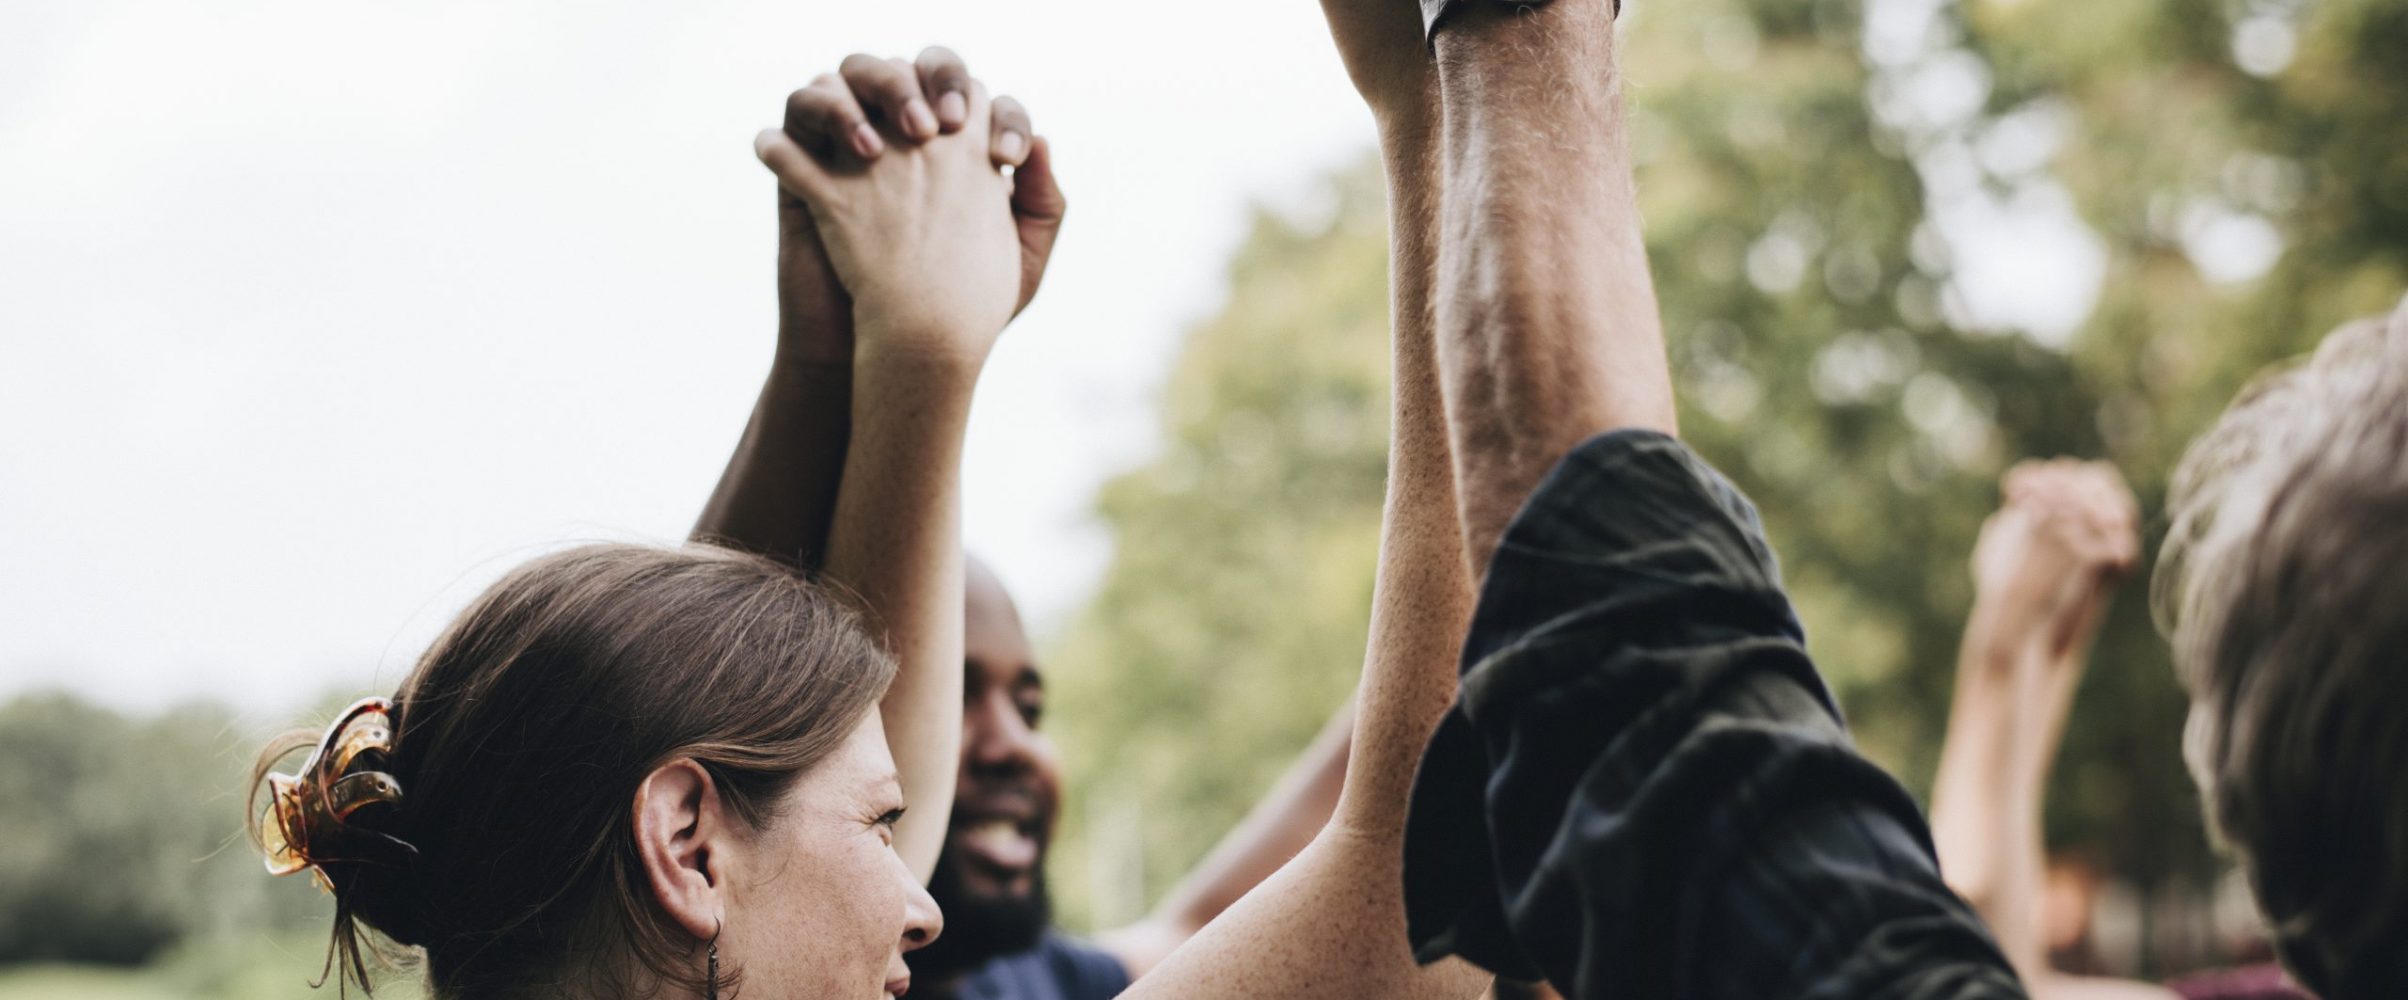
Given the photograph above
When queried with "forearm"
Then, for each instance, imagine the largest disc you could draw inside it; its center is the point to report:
(1422, 595)
(896, 545)
(2015, 677)
(1988, 793)
(1977, 757)
(1547, 314)
(779, 491)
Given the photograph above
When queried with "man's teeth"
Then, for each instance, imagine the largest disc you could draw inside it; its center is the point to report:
(1001, 841)
(994, 830)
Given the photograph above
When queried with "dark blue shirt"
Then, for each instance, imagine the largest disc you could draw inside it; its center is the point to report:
(1644, 789)
(1058, 968)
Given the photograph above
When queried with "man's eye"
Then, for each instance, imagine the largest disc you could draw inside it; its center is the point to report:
(1030, 713)
(892, 817)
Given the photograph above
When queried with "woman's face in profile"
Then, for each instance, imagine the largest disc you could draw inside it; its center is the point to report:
(823, 906)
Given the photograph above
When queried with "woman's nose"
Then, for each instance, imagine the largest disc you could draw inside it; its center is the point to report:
(922, 921)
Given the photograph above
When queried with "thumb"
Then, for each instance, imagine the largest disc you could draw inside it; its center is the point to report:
(1037, 208)
(1036, 196)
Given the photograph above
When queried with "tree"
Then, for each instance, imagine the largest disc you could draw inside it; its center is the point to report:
(121, 837)
(1233, 618)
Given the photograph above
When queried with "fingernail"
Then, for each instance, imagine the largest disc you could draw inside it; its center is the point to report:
(917, 120)
(865, 140)
(953, 108)
(1013, 145)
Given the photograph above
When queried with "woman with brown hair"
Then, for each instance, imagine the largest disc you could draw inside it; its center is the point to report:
(633, 771)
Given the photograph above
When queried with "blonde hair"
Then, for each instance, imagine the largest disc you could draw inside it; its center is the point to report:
(2283, 586)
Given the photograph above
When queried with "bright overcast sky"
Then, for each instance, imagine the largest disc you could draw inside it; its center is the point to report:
(315, 317)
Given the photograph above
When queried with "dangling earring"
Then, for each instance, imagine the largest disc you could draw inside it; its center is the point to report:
(711, 985)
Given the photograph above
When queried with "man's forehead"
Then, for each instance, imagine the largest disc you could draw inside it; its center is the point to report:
(994, 640)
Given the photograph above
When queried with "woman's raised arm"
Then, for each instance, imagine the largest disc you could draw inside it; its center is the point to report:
(924, 238)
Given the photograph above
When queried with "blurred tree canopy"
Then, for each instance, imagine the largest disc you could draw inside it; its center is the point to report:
(121, 838)
(1824, 184)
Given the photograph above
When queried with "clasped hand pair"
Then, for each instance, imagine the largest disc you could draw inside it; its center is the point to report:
(899, 228)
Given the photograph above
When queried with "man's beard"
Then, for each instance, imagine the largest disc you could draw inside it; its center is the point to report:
(978, 927)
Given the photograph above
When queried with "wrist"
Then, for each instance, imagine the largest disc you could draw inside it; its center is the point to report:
(918, 351)
(1999, 632)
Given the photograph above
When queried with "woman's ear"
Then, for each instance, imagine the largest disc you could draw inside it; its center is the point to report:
(682, 833)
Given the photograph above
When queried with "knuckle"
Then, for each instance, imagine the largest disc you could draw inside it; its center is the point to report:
(814, 109)
(805, 103)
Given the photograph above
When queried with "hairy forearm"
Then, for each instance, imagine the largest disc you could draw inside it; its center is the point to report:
(896, 545)
(1422, 596)
(1547, 319)
(779, 491)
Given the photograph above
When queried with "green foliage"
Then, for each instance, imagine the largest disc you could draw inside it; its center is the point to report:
(2170, 136)
(1822, 360)
(1233, 621)
(121, 838)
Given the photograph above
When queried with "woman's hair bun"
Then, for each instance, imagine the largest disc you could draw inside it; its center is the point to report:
(335, 816)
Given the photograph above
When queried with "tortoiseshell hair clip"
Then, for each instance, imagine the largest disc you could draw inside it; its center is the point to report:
(307, 824)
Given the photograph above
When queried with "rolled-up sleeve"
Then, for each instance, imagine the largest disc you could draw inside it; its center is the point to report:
(1644, 788)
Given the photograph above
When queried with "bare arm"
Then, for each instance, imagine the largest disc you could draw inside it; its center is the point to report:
(924, 238)
(1986, 799)
(896, 544)
(1547, 326)
(1273, 833)
(779, 491)
(1331, 923)
(2044, 570)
